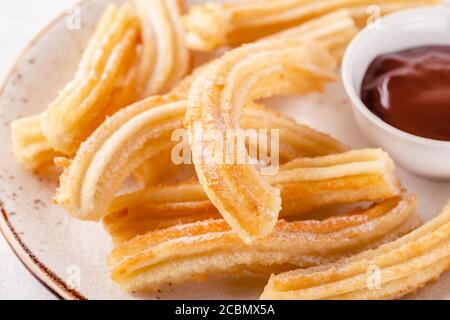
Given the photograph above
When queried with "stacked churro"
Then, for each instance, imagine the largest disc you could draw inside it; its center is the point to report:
(389, 272)
(216, 99)
(100, 84)
(306, 184)
(200, 208)
(211, 25)
(166, 57)
(30, 147)
(193, 251)
(121, 64)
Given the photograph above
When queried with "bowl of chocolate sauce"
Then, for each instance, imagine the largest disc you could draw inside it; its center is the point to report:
(396, 73)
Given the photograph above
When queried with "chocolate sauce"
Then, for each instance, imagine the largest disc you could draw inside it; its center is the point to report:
(410, 90)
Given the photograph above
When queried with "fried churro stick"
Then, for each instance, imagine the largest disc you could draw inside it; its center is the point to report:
(211, 25)
(166, 59)
(359, 175)
(197, 250)
(306, 184)
(295, 141)
(143, 131)
(30, 148)
(109, 77)
(199, 19)
(402, 267)
(217, 96)
(334, 30)
(118, 147)
(88, 99)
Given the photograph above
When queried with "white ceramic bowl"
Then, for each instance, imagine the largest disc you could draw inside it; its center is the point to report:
(402, 30)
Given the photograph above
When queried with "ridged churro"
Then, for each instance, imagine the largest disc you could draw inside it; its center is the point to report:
(339, 23)
(30, 147)
(389, 272)
(105, 73)
(296, 140)
(166, 58)
(217, 96)
(118, 147)
(306, 184)
(334, 30)
(143, 131)
(194, 251)
(211, 25)
(127, 58)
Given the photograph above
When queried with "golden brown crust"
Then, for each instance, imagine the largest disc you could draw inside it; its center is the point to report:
(128, 57)
(119, 146)
(306, 184)
(30, 147)
(211, 25)
(165, 57)
(85, 102)
(388, 272)
(193, 251)
(216, 98)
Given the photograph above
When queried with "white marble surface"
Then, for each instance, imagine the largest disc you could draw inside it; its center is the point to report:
(20, 21)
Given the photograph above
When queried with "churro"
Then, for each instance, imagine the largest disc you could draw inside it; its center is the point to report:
(217, 96)
(30, 147)
(306, 184)
(123, 61)
(102, 74)
(166, 58)
(211, 25)
(118, 147)
(389, 272)
(334, 30)
(296, 140)
(194, 251)
(143, 131)
(335, 25)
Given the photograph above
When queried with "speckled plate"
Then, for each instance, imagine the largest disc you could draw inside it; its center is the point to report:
(69, 256)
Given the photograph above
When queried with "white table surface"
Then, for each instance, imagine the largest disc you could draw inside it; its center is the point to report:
(20, 21)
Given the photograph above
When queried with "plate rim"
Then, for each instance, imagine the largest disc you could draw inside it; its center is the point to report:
(43, 274)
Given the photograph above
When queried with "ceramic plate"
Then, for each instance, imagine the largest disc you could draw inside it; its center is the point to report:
(69, 256)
